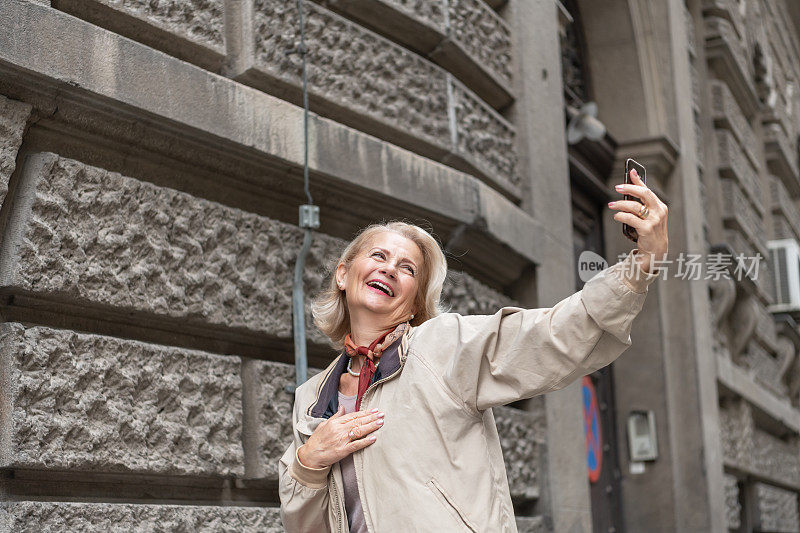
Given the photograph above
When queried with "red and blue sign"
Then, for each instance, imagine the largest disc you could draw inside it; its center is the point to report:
(591, 429)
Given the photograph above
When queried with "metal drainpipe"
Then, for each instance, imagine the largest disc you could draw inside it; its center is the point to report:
(309, 220)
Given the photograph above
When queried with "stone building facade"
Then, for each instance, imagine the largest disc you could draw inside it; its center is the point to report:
(151, 158)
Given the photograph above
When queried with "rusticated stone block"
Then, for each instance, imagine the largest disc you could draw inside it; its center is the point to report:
(485, 139)
(467, 296)
(781, 200)
(777, 509)
(781, 153)
(272, 407)
(353, 68)
(103, 238)
(533, 524)
(193, 30)
(465, 37)
(13, 116)
(733, 164)
(63, 517)
(740, 212)
(483, 34)
(75, 401)
(749, 448)
(728, 114)
(522, 434)
(733, 509)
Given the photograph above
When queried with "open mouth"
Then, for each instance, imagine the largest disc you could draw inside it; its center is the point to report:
(384, 288)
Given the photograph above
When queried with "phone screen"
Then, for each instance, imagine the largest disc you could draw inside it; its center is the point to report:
(630, 164)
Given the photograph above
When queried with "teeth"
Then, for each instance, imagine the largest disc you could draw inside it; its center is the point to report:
(385, 288)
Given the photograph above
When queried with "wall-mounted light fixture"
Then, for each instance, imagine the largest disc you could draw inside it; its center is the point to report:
(583, 123)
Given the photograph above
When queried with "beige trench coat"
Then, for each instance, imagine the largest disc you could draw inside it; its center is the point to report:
(437, 463)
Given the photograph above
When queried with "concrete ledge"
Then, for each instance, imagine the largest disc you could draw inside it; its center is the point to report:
(64, 517)
(81, 63)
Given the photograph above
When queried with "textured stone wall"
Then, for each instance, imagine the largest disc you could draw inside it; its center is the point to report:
(751, 60)
(740, 211)
(356, 76)
(465, 295)
(483, 35)
(107, 239)
(81, 402)
(13, 116)
(465, 37)
(783, 206)
(273, 414)
(733, 508)
(777, 509)
(522, 435)
(728, 115)
(104, 432)
(531, 525)
(365, 80)
(749, 448)
(354, 68)
(733, 164)
(479, 130)
(61, 517)
(84, 402)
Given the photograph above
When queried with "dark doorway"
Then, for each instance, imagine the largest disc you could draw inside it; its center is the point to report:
(604, 474)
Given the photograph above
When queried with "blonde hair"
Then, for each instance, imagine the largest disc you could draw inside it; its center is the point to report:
(329, 308)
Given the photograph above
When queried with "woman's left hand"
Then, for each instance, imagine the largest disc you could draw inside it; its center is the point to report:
(653, 241)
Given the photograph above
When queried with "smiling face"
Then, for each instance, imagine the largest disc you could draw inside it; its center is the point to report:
(381, 282)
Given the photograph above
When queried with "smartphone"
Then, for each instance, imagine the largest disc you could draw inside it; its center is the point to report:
(630, 164)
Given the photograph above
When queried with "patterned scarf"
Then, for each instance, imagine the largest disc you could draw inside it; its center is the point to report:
(371, 353)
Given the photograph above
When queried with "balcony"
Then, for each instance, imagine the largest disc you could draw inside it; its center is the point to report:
(781, 155)
(728, 115)
(466, 37)
(733, 164)
(727, 58)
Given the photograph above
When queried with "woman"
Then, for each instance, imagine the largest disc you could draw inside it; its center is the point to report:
(397, 433)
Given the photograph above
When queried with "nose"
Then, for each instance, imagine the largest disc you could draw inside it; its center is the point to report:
(389, 270)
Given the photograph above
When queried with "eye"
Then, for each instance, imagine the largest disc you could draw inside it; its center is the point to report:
(379, 254)
(410, 269)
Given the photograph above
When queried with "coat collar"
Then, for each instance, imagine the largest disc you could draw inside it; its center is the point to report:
(326, 401)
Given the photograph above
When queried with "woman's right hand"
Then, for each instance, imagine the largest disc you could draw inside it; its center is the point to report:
(332, 441)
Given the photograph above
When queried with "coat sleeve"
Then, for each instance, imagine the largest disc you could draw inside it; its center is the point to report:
(490, 360)
(303, 491)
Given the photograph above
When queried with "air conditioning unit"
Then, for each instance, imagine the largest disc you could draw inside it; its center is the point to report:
(784, 256)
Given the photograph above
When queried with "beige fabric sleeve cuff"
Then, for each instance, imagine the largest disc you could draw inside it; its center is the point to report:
(632, 274)
(313, 478)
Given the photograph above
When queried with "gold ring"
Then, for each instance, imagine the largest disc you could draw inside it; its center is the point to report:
(643, 212)
(354, 433)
